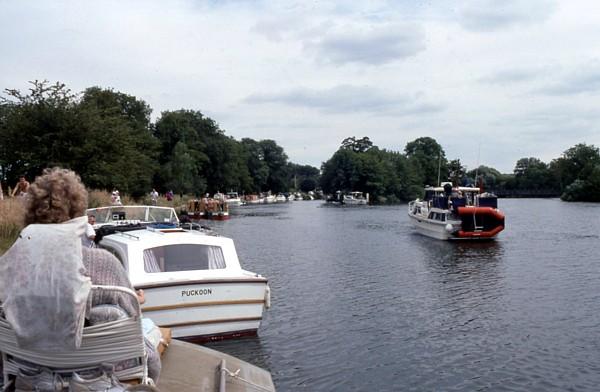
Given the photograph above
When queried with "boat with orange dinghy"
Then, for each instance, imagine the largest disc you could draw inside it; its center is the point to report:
(457, 213)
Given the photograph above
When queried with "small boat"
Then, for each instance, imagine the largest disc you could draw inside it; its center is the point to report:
(280, 198)
(268, 198)
(208, 208)
(457, 213)
(350, 199)
(252, 199)
(233, 199)
(192, 278)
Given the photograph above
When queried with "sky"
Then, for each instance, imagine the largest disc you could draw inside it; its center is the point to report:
(491, 81)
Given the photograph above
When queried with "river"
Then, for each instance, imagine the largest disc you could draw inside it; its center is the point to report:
(362, 303)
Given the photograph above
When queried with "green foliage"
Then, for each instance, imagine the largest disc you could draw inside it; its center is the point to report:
(357, 145)
(386, 175)
(456, 172)
(532, 173)
(578, 173)
(102, 135)
(429, 160)
(107, 137)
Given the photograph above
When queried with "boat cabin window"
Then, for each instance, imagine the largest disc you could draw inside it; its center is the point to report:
(438, 216)
(186, 257)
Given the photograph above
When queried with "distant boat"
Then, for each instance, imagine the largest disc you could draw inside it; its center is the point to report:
(208, 208)
(233, 199)
(252, 199)
(456, 213)
(350, 199)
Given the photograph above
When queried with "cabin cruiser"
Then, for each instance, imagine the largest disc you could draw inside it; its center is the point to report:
(233, 199)
(455, 213)
(350, 199)
(192, 278)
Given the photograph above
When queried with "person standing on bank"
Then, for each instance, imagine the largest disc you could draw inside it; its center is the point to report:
(21, 187)
(154, 196)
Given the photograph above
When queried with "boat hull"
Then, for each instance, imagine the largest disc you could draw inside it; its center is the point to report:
(207, 310)
(203, 215)
(430, 229)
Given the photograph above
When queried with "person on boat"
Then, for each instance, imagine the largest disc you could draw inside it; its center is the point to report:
(115, 198)
(57, 196)
(87, 241)
(21, 187)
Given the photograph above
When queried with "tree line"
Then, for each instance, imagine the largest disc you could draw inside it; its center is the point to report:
(391, 176)
(108, 138)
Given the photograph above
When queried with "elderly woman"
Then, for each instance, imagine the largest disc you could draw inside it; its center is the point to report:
(58, 196)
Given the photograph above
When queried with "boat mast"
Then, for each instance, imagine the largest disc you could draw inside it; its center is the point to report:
(439, 169)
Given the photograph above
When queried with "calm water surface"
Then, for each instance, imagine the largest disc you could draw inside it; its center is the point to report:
(361, 303)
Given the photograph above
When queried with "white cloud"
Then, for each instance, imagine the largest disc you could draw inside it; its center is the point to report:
(348, 99)
(519, 76)
(380, 45)
(491, 15)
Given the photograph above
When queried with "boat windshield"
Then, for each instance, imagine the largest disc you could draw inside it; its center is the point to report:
(133, 213)
(183, 257)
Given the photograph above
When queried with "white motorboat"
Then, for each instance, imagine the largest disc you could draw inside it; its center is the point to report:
(233, 199)
(268, 199)
(455, 213)
(350, 199)
(280, 198)
(192, 279)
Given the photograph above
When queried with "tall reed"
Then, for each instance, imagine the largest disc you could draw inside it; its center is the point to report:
(12, 214)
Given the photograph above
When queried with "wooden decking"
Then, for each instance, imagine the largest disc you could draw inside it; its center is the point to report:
(189, 367)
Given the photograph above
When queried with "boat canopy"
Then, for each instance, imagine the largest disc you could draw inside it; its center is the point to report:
(129, 214)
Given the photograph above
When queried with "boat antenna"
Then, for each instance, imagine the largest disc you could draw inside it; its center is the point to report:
(439, 169)
(477, 168)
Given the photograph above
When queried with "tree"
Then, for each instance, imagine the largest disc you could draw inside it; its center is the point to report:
(357, 145)
(119, 149)
(38, 129)
(577, 162)
(456, 172)
(103, 135)
(276, 160)
(257, 167)
(532, 174)
(429, 159)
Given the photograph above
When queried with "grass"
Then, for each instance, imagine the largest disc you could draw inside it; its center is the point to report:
(11, 222)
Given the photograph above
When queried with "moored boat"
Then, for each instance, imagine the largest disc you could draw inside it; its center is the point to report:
(354, 198)
(233, 199)
(457, 213)
(192, 279)
(208, 208)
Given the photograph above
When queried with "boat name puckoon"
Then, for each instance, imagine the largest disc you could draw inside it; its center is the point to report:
(191, 293)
